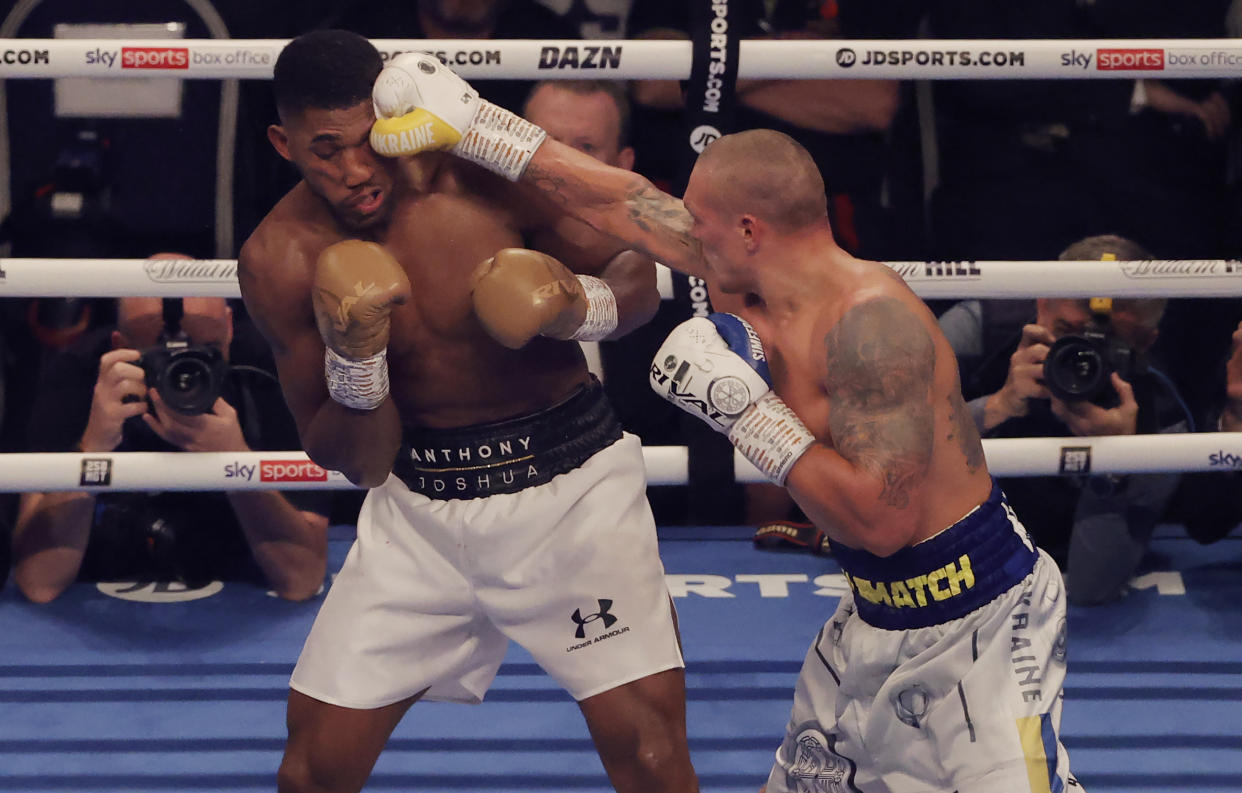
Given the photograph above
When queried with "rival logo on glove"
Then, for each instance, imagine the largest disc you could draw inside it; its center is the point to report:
(703, 378)
(683, 398)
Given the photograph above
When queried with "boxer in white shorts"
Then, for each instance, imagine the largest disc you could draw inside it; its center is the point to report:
(425, 316)
(859, 416)
(940, 671)
(454, 559)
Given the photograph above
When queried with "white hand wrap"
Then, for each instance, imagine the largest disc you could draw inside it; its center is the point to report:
(771, 436)
(601, 315)
(361, 384)
(500, 141)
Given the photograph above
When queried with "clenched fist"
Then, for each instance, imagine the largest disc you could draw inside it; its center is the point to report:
(355, 288)
(519, 294)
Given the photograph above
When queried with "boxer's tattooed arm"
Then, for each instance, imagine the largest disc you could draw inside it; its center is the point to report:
(880, 366)
(964, 431)
(657, 212)
(551, 184)
(656, 223)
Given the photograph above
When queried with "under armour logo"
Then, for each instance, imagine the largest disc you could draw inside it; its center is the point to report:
(602, 614)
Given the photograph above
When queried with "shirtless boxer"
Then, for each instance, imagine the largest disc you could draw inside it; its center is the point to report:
(505, 501)
(942, 668)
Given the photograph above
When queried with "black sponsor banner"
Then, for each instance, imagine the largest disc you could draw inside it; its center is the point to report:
(710, 102)
(710, 93)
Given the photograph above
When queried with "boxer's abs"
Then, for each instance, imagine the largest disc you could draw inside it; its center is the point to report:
(458, 382)
(445, 371)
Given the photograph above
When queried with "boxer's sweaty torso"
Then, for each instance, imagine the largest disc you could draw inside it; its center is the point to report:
(445, 371)
(875, 344)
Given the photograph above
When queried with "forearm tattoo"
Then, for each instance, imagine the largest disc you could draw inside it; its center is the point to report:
(881, 361)
(662, 222)
(658, 213)
(545, 181)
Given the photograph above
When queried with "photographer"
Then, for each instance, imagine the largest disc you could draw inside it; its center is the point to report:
(1209, 504)
(262, 536)
(1081, 368)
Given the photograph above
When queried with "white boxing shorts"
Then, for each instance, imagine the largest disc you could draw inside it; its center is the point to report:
(940, 672)
(535, 529)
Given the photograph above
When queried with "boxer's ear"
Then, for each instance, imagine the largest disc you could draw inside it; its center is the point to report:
(279, 139)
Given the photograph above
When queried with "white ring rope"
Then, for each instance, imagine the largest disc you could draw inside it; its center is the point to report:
(616, 59)
(666, 465)
(532, 59)
(931, 280)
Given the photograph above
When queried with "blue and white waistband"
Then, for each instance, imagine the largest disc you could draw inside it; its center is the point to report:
(946, 577)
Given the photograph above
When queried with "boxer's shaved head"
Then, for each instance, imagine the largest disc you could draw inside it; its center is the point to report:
(767, 174)
(326, 69)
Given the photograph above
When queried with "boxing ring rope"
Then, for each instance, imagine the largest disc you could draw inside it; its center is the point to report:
(945, 59)
(929, 280)
(666, 465)
(533, 59)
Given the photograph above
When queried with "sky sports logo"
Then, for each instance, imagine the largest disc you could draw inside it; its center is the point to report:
(155, 58)
(1129, 60)
(291, 471)
(277, 471)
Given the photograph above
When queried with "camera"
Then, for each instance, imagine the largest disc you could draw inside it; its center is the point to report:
(189, 377)
(1079, 366)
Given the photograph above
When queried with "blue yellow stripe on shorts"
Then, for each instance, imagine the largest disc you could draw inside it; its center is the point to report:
(944, 578)
(1039, 745)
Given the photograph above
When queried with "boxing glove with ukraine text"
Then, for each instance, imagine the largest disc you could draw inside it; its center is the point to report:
(355, 286)
(715, 368)
(421, 105)
(519, 294)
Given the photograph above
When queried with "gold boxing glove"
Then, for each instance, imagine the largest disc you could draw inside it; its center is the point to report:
(355, 286)
(519, 294)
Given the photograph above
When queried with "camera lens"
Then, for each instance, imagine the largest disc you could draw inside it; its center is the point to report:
(1074, 369)
(189, 384)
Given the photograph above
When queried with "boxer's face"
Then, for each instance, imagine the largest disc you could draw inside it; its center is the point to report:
(713, 228)
(331, 149)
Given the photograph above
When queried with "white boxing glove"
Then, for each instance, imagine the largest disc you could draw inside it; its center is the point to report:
(715, 368)
(421, 105)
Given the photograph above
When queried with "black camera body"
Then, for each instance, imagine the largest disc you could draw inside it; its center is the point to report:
(189, 377)
(1079, 366)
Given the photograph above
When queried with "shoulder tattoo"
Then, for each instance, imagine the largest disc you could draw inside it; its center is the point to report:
(963, 430)
(881, 361)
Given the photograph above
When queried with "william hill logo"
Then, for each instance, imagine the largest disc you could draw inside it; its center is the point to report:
(1180, 268)
(951, 270)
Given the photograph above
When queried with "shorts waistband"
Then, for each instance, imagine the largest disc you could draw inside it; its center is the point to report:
(507, 456)
(946, 577)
